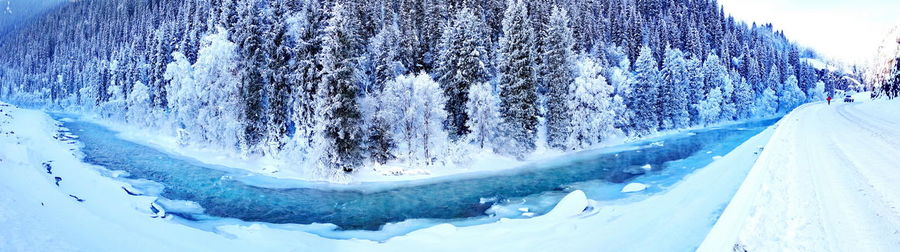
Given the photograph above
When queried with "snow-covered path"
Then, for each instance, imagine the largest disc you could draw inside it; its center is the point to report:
(829, 180)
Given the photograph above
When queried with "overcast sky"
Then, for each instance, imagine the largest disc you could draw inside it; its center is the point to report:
(846, 30)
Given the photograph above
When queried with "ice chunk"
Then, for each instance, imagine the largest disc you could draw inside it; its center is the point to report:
(179, 206)
(634, 187)
(647, 167)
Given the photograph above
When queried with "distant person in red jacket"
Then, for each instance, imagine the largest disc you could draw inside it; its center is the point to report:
(828, 99)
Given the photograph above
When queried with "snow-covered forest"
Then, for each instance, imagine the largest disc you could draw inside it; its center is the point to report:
(341, 84)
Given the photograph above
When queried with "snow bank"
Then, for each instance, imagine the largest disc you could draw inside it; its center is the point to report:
(826, 182)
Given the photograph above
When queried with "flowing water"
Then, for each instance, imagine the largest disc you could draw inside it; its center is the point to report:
(221, 193)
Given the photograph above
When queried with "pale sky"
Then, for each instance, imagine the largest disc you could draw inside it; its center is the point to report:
(845, 30)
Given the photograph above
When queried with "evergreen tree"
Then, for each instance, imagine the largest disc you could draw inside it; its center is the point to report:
(695, 88)
(674, 93)
(254, 66)
(558, 61)
(305, 77)
(517, 81)
(461, 58)
(278, 84)
(743, 95)
(385, 50)
(339, 133)
(644, 94)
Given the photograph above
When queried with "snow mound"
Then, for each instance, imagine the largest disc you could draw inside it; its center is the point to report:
(634, 187)
(573, 204)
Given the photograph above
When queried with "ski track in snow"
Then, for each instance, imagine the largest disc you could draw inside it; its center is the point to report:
(829, 180)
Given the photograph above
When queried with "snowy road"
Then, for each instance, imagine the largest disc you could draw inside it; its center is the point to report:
(829, 180)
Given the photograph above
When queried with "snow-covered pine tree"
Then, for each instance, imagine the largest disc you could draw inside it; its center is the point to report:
(338, 123)
(674, 93)
(695, 89)
(483, 114)
(743, 97)
(379, 141)
(591, 105)
(278, 86)
(642, 100)
(305, 78)
(461, 64)
(384, 49)
(518, 106)
(558, 68)
(773, 79)
(253, 69)
(715, 75)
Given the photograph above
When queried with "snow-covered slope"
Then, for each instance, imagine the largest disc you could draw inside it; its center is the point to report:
(829, 180)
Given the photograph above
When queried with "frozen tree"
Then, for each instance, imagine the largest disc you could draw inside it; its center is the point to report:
(114, 106)
(379, 138)
(591, 105)
(558, 69)
(790, 95)
(695, 89)
(384, 49)
(710, 107)
(517, 81)
(715, 75)
(817, 93)
(766, 104)
(339, 121)
(430, 115)
(642, 100)
(253, 67)
(205, 97)
(743, 96)
(415, 106)
(674, 93)
(305, 77)
(461, 58)
(278, 84)
(139, 105)
(773, 80)
(396, 99)
(483, 118)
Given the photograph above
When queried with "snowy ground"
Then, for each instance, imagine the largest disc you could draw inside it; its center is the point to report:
(279, 167)
(38, 215)
(829, 180)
